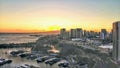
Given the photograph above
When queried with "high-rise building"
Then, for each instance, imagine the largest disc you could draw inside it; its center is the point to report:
(86, 34)
(102, 36)
(79, 33)
(103, 33)
(62, 32)
(116, 41)
(73, 33)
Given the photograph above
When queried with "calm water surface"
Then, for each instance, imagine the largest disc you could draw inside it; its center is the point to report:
(17, 38)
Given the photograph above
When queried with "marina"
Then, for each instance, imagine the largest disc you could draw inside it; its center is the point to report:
(18, 61)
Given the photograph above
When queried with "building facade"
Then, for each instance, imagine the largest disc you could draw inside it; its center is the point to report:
(79, 33)
(73, 33)
(116, 41)
(62, 33)
(103, 34)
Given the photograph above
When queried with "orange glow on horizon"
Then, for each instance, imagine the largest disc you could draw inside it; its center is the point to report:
(51, 29)
(33, 24)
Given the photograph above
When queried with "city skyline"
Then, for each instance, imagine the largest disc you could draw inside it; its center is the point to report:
(52, 15)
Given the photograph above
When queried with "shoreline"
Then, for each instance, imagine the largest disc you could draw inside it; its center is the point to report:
(17, 45)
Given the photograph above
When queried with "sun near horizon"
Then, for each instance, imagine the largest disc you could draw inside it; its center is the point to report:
(52, 15)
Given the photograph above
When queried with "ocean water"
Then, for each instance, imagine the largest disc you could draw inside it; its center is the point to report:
(17, 38)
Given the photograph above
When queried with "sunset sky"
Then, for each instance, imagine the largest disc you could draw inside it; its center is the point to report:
(51, 15)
